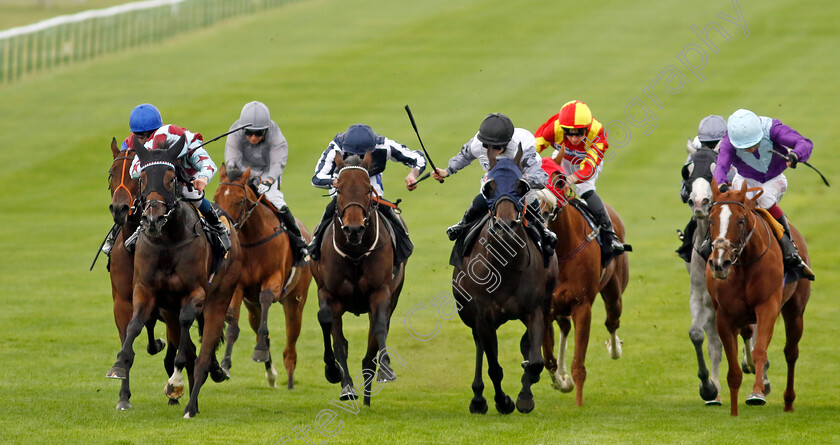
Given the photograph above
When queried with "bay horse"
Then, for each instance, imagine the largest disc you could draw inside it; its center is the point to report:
(171, 271)
(356, 274)
(124, 190)
(746, 281)
(503, 278)
(580, 278)
(267, 272)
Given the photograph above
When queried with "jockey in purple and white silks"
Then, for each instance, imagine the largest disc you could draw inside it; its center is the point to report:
(760, 149)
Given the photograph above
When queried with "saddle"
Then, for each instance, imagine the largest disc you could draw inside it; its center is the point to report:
(465, 243)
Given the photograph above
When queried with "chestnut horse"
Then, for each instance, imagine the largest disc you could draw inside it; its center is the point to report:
(124, 190)
(746, 281)
(267, 273)
(580, 279)
(356, 274)
(171, 271)
(504, 278)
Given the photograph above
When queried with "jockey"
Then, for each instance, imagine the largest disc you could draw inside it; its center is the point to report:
(711, 130)
(263, 148)
(146, 125)
(581, 139)
(749, 147)
(498, 133)
(358, 139)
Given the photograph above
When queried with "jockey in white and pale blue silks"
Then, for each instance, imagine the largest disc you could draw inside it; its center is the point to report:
(147, 127)
(760, 149)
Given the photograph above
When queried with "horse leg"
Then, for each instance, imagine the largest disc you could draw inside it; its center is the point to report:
(478, 404)
(174, 388)
(708, 390)
(380, 320)
(533, 364)
(766, 315)
(369, 362)
(332, 371)
(216, 372)
(582, 316)
(125, 357)
(793, 333)
(173, 337)
(293, 310)
(340, 346)
(261, 350)
(122, 316)
(561, 380)
(715, 350)
(232, 332)
(155, 345)
(214, 323)
(489, 341)
(729, 339)
(611, 294)
(747, 364)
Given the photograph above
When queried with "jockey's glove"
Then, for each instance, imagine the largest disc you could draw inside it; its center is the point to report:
(264, 186)
(793, 158)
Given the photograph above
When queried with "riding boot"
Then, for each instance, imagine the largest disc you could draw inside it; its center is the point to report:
(614, 245)
(314, 248)
(790, 254)
(298, 243)
(548, 240)
(132, 240)
(687, 238)
(477, 208)
(110, 239)
(404, 245)
(217, 228)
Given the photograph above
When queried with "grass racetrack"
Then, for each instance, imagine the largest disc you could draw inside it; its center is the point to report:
(322, 65)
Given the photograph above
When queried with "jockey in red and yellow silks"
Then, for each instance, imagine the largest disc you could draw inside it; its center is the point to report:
(582, 141)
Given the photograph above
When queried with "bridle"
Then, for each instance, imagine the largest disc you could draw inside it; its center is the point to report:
(248, 207)
(152, 203)
(122, 185)
(737, 250)
(365, 209)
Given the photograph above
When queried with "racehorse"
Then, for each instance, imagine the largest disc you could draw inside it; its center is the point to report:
(172, 264)
(746, 281)
(121, 263)
(355, 273)
(580, 278)
(503, 278)
(267, 273)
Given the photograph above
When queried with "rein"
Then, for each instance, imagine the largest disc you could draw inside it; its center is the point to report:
(585, 242)
(363, 254)
(122, 185)
(738, 250)
(249, 208)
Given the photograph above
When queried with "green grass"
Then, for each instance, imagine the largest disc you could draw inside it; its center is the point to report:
(323, 65)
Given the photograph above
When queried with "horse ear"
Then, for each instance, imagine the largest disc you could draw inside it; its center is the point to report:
(247, 173)
(223, 171)
(491, 156)
(715, 190)
(522, 187)
(518, 157)
(488, 189)
(339, 161)
(367, 160)
(689, 147)
(179, 145)
(115, 150)
(139, 147)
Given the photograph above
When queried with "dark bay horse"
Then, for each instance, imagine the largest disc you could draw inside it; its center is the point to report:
(267, 273)
(503, 278)
(124, 190)
(356, 274)
(580, 278)
(746, 281)
(171, 271)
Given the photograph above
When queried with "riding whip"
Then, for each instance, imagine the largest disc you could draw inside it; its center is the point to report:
(219, 137)
(825, 181)
(413, 124)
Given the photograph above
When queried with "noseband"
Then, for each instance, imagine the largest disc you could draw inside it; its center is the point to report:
(365, 209)
(122, 185)
(152, 203)
(247, 208)
(737, 250)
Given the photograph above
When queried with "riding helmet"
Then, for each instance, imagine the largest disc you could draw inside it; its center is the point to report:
(744, 129)
(144, 117)
(496, 129)
(358, 139)
(257, 114)
(712, 128)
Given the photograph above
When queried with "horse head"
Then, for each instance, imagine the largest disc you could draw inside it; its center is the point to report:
(236, 194)
(123, 187)
(354, 194)
(505, 191)
(730, 226)
(158, 183)
(697, 174)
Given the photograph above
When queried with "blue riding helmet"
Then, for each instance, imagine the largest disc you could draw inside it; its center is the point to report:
(358, 139)
(144, 117)
(744, 129)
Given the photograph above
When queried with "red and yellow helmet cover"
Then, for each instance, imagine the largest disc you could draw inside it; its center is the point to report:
(575, 114)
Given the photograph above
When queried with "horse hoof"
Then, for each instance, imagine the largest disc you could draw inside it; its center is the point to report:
(747, 368)
(123, 405)
(478, 406)
(708, 391)
(173, 392)
(187, 415)
(715, 402)
(525, 404)
(219, 375)
(615, 353)
(225, 364)
(332, 372)
(562, 383)
(271, 378)
(385, 374)
(156, 347)
(766, 388)
(117, 373)
(260, 355)
(756, 399)
(506, 407)
(348, 393)
(174, 402)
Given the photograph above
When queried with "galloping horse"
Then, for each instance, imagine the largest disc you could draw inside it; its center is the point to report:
(121, 264)
(356, 274)
(267, 273)
(507, 281)
(746, 280)
(581, 277)
(171, 271)
(698, 177)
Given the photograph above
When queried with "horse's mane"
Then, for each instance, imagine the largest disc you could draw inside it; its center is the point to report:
(234, 173)
(353, 161)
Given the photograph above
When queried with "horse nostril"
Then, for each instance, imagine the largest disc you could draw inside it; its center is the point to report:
(726, 264)
(705, 201)
(690, 202)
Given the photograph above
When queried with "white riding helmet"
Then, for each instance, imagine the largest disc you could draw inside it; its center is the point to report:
(257, 114)
(744, 129)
